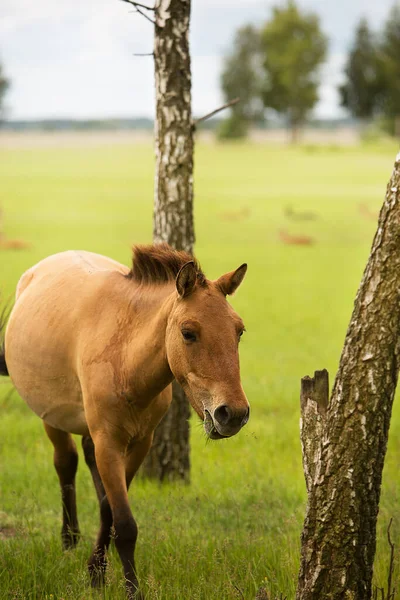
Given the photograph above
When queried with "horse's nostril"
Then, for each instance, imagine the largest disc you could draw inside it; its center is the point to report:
(246, 416)
(222, 414)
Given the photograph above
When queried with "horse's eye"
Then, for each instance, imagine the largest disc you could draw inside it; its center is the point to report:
(241, 333)
(189, 336)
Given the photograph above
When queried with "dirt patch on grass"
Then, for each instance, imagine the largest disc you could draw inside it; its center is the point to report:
(6, 531)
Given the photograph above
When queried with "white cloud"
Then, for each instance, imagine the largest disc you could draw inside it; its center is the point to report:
(40, 10)
(205, 80)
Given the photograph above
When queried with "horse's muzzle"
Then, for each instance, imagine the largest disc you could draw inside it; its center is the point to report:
(225, 421)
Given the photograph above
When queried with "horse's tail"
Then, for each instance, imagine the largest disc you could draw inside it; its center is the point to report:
(3, 365)
(3, 319)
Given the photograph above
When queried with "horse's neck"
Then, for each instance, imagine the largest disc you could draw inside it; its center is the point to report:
(147, 356)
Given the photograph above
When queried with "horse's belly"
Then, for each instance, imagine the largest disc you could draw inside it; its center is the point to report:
(59, 413)
(66, 417)
(40, 363)
(57, 401)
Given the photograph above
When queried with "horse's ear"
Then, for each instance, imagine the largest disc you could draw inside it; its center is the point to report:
(229, 282)
(186, 279)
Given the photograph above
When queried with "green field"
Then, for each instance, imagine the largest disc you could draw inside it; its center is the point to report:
(237, 526)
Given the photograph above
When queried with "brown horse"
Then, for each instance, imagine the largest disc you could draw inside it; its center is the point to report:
(93, 348)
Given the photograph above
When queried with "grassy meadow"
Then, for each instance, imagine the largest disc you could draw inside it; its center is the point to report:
(237, 526)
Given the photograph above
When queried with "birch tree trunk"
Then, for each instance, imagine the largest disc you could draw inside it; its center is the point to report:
(173, 202)
(344, 443)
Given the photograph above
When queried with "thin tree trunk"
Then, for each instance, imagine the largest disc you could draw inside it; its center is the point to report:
(344, 445)
(169, 458)
(295, 131)
(173, 202)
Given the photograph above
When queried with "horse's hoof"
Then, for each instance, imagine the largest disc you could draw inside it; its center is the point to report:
(70, 539)
(97, 572)
(135, 595)
(133, 592)
(97, 581)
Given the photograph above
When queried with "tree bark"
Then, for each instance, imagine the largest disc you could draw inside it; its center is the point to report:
(169, 458)
(344, 480)
(173, 202)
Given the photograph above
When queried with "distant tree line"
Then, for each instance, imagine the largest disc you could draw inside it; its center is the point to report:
(277, 67)
(117, 124)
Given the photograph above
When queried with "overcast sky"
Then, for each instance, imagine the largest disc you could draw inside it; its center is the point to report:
(75, 59)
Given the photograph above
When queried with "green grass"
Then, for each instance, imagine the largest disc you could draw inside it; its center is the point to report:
(237, 526)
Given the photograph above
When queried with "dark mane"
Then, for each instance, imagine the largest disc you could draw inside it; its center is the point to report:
(159, 263)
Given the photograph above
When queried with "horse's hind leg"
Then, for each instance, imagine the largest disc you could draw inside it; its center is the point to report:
(66, 464)
(97, 563)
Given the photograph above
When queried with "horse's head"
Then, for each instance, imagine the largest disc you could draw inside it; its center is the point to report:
(202, 339)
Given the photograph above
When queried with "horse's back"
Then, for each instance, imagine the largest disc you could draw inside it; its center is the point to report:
(55, 300)
(67, 266)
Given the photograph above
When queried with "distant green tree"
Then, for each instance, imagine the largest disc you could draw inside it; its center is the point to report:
(294, 47)
(362, 91)
(242, 77)
(390, 65)
(4, 85)
(234, 127)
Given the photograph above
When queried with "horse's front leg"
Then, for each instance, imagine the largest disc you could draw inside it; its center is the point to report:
(110, 454)
(98, 562)
(136, 454)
